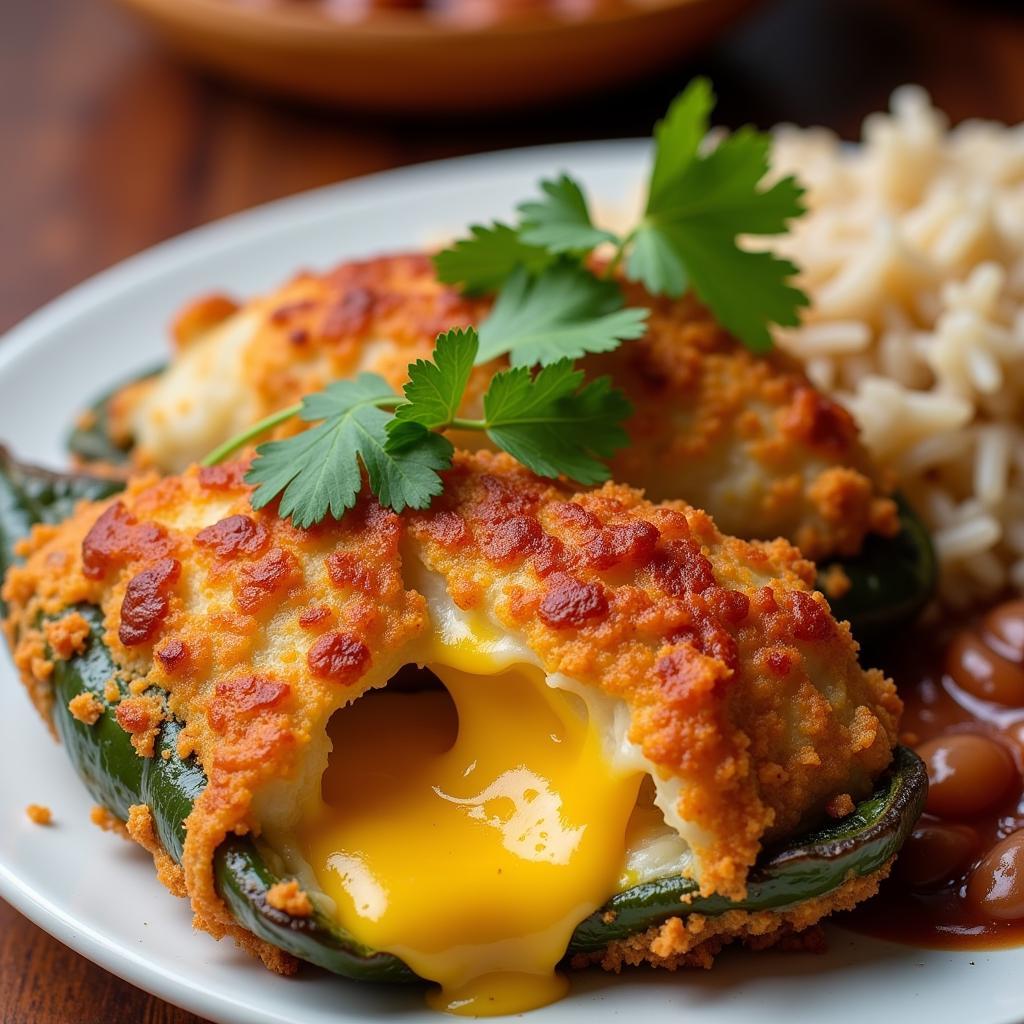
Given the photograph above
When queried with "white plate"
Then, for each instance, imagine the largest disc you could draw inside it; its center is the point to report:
(98, 894)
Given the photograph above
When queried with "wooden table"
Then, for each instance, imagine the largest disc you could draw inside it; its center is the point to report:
(110, 146)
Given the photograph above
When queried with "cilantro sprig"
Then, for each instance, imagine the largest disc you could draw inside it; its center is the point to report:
(701, 201)
(550, 308)
(550, 420)
(697, 205)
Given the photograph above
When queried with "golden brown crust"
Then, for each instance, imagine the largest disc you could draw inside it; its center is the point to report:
(739, 683)
(744, 436)
(695, 940)
(141, 829)
(840, 806)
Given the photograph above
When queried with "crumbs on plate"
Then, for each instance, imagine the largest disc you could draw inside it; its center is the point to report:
(39, 814)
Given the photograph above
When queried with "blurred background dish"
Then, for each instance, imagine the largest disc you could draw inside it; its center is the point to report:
(436, 55)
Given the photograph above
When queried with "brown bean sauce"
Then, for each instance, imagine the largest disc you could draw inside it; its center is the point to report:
(959, 881)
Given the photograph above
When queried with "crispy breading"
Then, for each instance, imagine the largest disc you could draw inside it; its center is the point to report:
(66, 636)
(739, 683)
(141, 828)
(744, 436)
(695, 940)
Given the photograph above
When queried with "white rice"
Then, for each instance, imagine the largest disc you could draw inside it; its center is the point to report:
(913, 256)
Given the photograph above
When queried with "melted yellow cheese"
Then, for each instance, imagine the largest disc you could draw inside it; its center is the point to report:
(469, 831)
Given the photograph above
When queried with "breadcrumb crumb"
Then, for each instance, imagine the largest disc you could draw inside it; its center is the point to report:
(39, 814)
(66, 636)
(835, 582)
(288, 897)
(141, 718)
(840, 806)
(86, 708)
(106, 820)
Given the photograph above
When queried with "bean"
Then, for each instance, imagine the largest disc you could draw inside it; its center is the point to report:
(979, 670)
(936, 853)
(996, 886)
(1003, 628)
(967, 774)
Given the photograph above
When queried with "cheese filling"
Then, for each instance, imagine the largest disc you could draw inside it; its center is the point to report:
(469, 830)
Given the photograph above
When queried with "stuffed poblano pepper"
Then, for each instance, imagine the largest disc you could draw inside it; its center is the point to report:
(740, 434)
(529, 727)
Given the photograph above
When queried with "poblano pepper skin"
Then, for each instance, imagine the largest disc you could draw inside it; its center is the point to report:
(806, 867)
(891, 579)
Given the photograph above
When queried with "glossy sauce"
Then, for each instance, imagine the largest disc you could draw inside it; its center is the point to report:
(959, 881)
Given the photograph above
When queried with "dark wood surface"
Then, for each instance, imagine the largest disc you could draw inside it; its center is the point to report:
(110, 145)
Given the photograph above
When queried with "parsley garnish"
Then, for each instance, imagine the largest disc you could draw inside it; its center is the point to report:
(551, 421)
(555, 424)
(318, 471)
(434, 390)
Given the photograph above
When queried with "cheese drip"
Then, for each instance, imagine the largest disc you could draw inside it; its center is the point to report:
(469, 831)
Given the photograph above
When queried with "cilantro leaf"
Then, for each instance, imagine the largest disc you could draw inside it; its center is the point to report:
(747, 290)
(434, 391)
(566, 312)
(677, 137)
(560, 222)
(318, 472)
(698, 204)
(482, 262)
(553, 423)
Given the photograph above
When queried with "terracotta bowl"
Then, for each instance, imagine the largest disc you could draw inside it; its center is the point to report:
(404, 59)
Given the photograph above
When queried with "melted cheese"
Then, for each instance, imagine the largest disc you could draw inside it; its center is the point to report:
(469, 832)
(200, 400)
